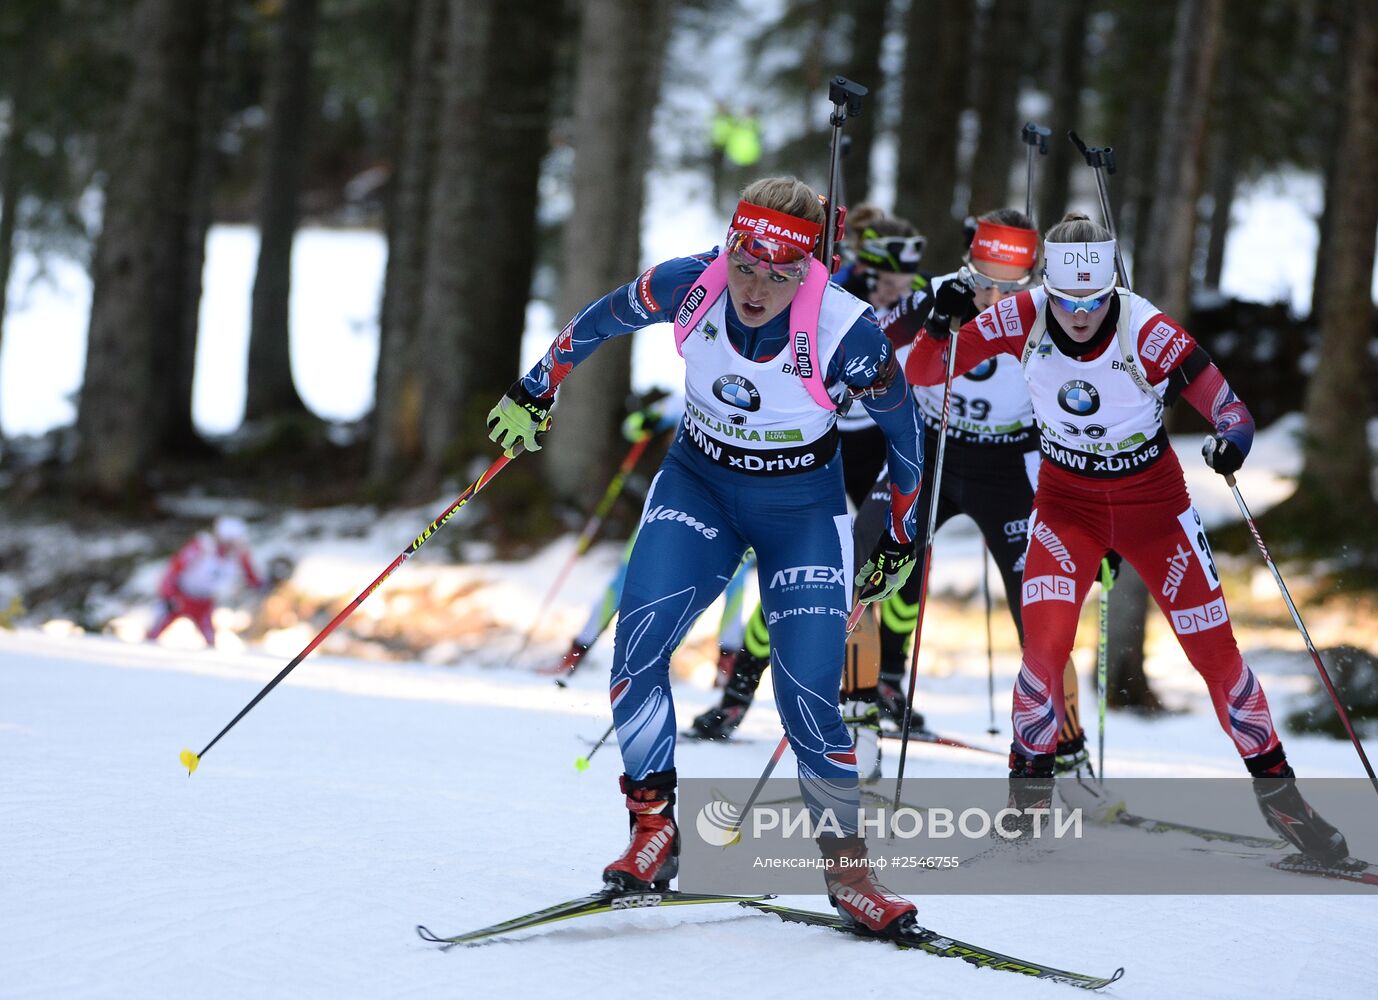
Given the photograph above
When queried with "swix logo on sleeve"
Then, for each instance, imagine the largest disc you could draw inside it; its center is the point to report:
(1049, 588)
(802, 355)
(796, 576)
(565, 341)
(692, 301)
(1208, 616)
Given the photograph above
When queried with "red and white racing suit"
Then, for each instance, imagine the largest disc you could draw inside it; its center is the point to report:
(198, 573)
(1110, 480)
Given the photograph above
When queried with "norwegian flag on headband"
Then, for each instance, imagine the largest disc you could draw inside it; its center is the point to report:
(768, 224)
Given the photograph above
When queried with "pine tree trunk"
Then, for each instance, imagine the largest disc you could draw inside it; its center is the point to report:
(139, 273)
(863, 67)
(451, 254)
(1164, 272)
(934, 95)
(399, 382)
(621, 52)
(1337, 461)
(1224, 182)
(515, 143)
(271, 390)
(997, 106)
(10, 187)
(1053, 177)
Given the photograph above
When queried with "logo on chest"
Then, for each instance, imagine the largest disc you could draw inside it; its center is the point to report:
(982, 371)
(734, 390)
(1079, 398)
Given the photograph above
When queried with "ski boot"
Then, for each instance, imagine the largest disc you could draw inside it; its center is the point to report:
(719, 721)
(1030, 788)
(1072, 756)
(862, 717)
(854, 892)
(569, 662)
(1290, 815)
(651, 859)
(894, 704)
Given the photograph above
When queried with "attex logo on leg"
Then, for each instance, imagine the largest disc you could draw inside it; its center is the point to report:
(808, 576)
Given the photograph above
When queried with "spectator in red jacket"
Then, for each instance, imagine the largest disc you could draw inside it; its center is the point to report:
(200, 572)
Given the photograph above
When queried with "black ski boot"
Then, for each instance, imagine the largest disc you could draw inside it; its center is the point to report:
(1290, 815)
(1030, 788)
(651, 859)
(719, 721)
(894, 703)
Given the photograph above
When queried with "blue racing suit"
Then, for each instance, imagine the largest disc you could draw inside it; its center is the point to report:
(700, 516)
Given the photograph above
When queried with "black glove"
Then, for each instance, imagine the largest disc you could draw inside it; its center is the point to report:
(1222, 455)
(955, 300)
(886, 571)
(1113, 560)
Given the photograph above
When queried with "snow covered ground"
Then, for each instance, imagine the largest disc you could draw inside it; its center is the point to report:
(360, 799)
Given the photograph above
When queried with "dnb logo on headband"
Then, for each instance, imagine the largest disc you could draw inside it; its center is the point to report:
(1079, 398)
(734, 390)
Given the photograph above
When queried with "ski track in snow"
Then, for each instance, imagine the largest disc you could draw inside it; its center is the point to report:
(357, 800)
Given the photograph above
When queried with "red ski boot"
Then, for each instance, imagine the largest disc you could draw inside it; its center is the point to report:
(651, 859)
(853, 890)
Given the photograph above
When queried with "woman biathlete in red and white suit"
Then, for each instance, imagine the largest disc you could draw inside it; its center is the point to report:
(1100, 363)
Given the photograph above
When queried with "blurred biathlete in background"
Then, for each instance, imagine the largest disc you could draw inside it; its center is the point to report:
(1100, 363)
(883, 268)
(202, 571)
(770, 347)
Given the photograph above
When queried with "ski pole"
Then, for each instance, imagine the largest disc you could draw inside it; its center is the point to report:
(595, 522)
(992, 729)
(1035, 137)
(736, 829)
(845, 97)
(1101, 160)
(928, 551)
(1306, 636)
(1107, 584)
(582, 763)
(191, 760)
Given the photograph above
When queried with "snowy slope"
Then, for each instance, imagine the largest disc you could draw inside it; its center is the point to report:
(360, 799)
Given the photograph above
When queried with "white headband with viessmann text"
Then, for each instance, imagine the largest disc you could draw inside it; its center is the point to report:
(1079, 265)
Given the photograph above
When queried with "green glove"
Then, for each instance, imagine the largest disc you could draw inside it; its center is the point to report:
(515, 423)
(886, 571)
(634, 427)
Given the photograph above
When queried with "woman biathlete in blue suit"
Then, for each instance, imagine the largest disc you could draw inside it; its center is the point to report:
(771, 350)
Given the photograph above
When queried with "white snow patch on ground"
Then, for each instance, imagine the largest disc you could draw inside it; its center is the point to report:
(358, 800)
